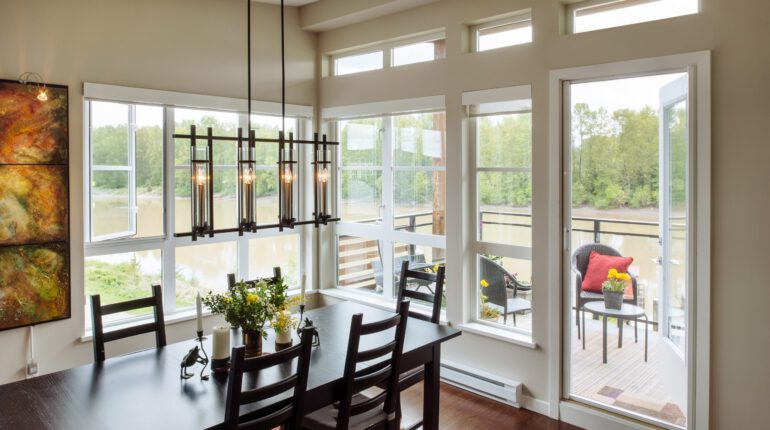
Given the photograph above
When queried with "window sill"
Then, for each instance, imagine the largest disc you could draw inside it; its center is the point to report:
(175, 318)
(509, 336)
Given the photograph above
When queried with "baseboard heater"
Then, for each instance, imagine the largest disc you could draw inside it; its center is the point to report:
(480, 382)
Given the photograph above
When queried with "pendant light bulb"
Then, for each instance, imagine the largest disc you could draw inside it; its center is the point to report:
(42, 95)
(288, 177)
(200, 176)
(323, 175)
(248, 177)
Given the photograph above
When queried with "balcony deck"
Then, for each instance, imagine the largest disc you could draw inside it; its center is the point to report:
(626, 381)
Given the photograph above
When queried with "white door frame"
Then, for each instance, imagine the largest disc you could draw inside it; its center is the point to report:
(699, 301)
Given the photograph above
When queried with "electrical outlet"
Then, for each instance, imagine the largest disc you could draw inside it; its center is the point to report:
(31, 369)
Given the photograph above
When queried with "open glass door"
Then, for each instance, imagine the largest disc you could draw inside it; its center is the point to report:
(673, 196)
(628, 186)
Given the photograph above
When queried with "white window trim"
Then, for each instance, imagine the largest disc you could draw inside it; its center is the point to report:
(520, 98)
(385, 231)
(514, 18)
(117, 93)
(699, 65)
(571, 8)
(168, 243)
(386, 48)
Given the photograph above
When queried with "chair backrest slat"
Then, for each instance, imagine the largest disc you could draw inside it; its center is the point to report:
(231, 281)
(435, 299)
(386, 371)
(287, 412)
(97, 324)
(379, 326)
(129, 305)
(269, 391)
(371, 354)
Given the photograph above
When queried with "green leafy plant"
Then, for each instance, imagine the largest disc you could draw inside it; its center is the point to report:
(487, 312)
(616, 281)
(250, 306)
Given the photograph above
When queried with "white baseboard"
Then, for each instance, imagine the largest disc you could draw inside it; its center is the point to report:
(535, 405)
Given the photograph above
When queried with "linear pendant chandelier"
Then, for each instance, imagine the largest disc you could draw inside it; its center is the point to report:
(202, 168)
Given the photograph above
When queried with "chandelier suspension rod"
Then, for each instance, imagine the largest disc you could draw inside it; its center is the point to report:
(283, 74)
(248, 58)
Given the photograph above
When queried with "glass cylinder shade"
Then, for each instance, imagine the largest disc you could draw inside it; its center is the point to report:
(323, 183)
(246, 185)
(201, 169)
(287, 167)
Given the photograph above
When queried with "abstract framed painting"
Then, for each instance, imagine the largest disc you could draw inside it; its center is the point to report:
(34, 205)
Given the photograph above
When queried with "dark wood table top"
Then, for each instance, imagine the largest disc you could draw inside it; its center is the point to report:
(143, 390)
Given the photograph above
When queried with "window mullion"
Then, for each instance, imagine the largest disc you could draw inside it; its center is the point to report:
(132, 203)
(386, 246)
(168, 254)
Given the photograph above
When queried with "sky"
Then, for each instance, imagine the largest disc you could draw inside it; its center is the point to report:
(633, 93)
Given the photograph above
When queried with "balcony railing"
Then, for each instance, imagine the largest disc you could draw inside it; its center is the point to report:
(360, 263)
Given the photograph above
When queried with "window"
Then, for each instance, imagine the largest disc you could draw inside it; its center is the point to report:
(358, 63)
(392, 197)
(126, 171)
(501, 129)
(500, 33)
(361, 170)
(600, 14)
(412, 50)
(418, 52)
(128, 249)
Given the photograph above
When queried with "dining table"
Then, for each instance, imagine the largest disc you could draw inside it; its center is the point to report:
(144, 390)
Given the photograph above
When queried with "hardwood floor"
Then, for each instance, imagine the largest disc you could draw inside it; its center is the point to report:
(462, 410)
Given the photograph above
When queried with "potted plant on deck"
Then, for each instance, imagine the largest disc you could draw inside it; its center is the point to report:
(614, 288)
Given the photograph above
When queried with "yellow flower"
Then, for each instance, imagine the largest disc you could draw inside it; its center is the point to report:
(613, 273)
(484, 283)
(435, 268)
(624, 276)
(252, 298)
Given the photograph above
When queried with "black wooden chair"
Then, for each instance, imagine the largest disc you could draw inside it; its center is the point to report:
(580, 265)
(98, 311)
(231, 281)
(499, 282)
(357, 411)
(289, 411)
(414, 376)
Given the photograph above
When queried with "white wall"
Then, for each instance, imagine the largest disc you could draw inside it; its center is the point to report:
(194, 46)
(737, 33)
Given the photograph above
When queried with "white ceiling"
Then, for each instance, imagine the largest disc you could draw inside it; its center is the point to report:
(287, 2)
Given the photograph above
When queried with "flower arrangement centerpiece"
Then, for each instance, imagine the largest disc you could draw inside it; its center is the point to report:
(283, 322)
(614, 288)
(487, 312)
(250, 305)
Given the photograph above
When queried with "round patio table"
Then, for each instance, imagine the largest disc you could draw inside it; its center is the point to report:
(626, 312)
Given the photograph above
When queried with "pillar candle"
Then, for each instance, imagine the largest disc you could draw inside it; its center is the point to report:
(221, 342)
(199, 311)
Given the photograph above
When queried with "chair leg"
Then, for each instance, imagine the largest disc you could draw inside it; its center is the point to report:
(514, 319)
(577, 319)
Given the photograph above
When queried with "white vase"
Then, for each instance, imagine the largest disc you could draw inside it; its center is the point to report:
(283, 337)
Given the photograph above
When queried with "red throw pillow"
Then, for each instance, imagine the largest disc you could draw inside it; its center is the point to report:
(598, 266)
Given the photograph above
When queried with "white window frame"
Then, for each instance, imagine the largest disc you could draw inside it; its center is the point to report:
(515, 18)
(387, 51)
(168, 243)
(384, 232)
(130, 167)
(571, 9)
(698, 65)
(501, 101)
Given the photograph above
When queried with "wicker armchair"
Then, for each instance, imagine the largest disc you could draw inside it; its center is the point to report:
(500, 281)
(579, 266)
